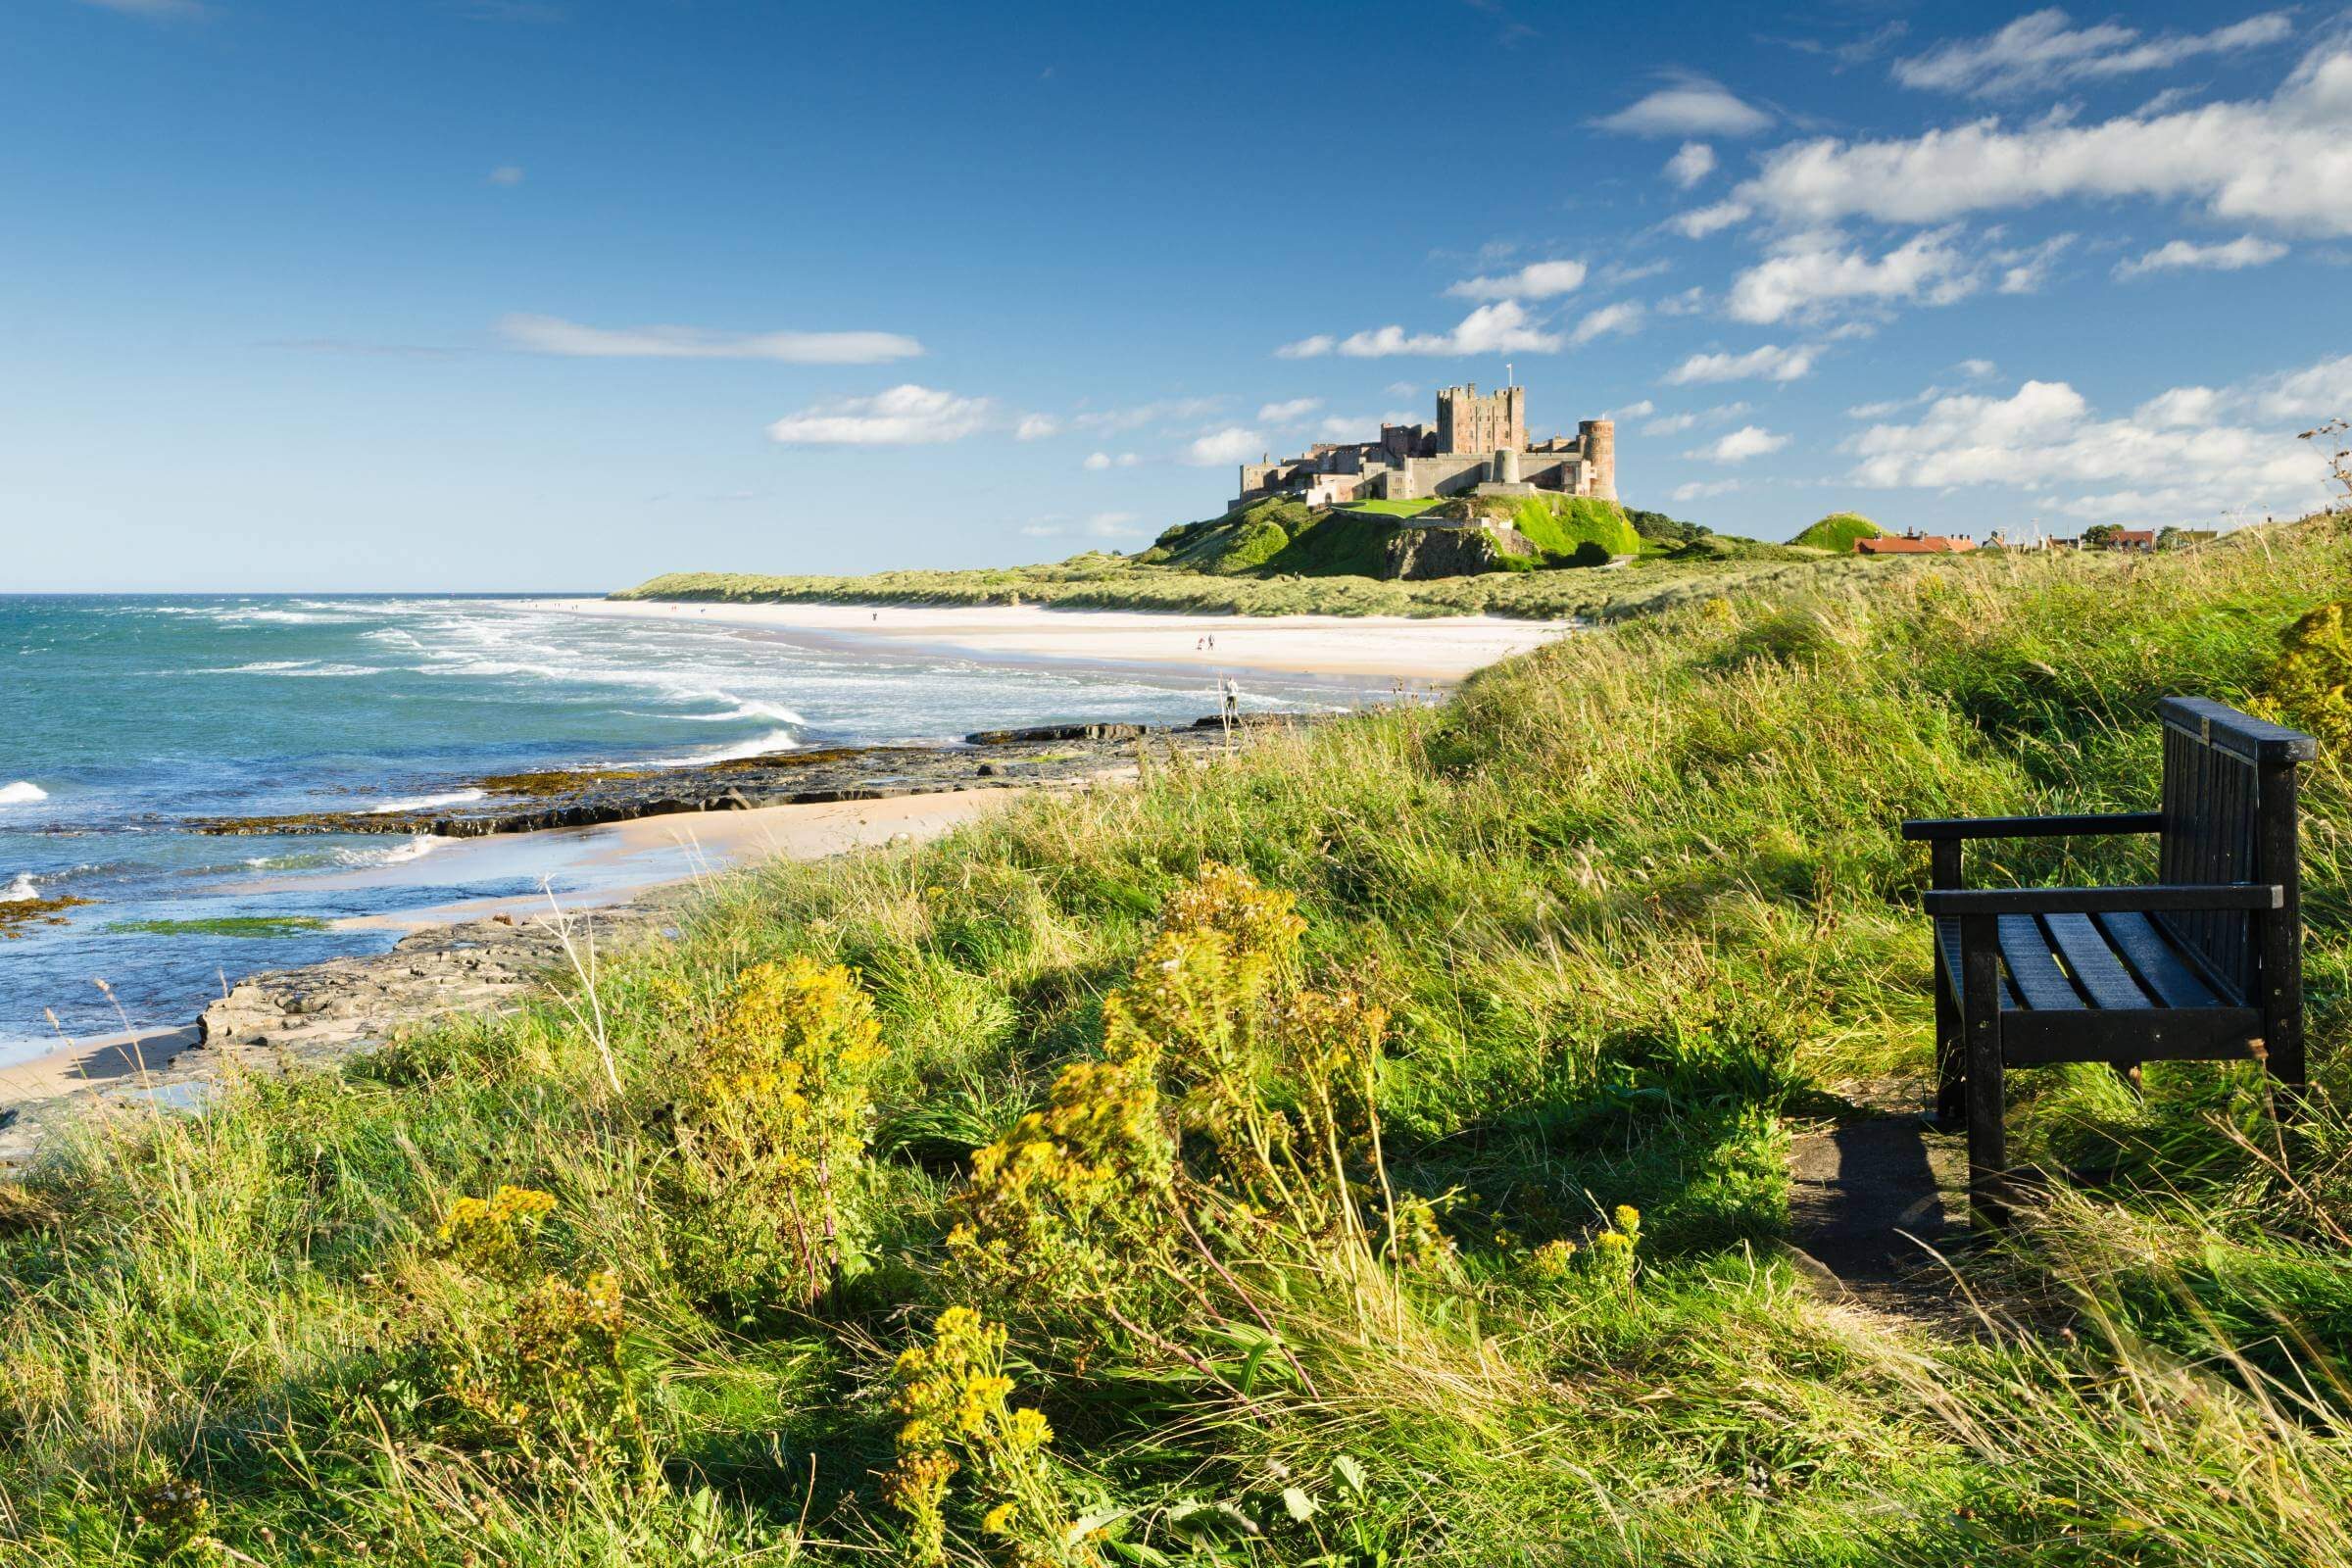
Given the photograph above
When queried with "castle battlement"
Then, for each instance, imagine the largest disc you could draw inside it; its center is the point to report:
(1479, 444)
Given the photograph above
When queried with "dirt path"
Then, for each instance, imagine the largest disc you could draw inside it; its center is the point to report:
(1877, 1196)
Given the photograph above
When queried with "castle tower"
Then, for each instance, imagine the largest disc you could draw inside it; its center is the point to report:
(1470, 424)
(1599, 440)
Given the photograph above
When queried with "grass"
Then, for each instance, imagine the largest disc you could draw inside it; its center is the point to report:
(1627, 902)
(1838, 532)
(1395, 509)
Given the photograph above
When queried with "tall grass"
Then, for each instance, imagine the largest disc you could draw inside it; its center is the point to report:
(1624, 902)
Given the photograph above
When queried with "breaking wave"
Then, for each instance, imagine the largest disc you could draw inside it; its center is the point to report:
(425, 803)
(21, 793)
(775, 740)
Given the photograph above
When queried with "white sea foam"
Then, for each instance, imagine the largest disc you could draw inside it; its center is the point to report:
(425, 803)
(416, 849)
(773, 712)
(20, 891)
(775, 740)
(21, 793)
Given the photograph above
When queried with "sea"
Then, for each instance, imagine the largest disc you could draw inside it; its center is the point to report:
(122, 717)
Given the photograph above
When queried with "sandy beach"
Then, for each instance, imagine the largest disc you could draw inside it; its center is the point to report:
(1404, 647)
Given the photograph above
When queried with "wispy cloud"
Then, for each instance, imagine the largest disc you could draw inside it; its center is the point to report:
(548, 334)
(1541, 280)
(1287, 411)
(2181, 255)
(506, 175)
(1624, 318)
(1771, 362)
(904, 416)
(1498, 329)
(2046, 50)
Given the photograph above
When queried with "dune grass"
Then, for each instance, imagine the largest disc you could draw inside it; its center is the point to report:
(1095, 581)
(674, 1268)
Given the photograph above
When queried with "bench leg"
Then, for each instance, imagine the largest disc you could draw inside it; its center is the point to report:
(1951, 1058)
(1981, 1015)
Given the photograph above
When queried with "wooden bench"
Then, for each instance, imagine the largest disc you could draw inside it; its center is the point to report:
(2205, 965)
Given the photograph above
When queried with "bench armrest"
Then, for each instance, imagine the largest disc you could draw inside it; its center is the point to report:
(2157, 900)
(2032, 827)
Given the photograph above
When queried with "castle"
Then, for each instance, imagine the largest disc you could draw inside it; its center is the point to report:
(1479, 446)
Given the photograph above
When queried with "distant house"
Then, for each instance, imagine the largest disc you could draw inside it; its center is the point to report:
(1911, 542)
(2142, 539)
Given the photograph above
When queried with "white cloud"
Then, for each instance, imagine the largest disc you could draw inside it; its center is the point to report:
(1691, 163)
(1771, 362)
(1677, 423)
(1233, 444)
(1036, 428)
(1700, 221)
(1977, 370)
(1748, 441)
(548, 334)
(2044, 50)
(2319, 391)
(1287, 411)
(2283, 161)
(2024, 271)
(1689, 302)
(2174, 460)
(1694, 105)
(1110, 524)
(1499, 328)
(1702, 489)
(1401, 389)
(1539, 280)
(506, 175)
(904, 416)
(1100, 462)
(1809, 272)
(2180, 406)
(1623, 318)
(2181, 255)
(1634, 411)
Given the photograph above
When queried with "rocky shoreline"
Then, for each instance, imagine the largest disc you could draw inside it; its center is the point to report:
(523, 802)
(320, 1015)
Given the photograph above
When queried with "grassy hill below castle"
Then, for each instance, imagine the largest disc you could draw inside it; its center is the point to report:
(1540, 556)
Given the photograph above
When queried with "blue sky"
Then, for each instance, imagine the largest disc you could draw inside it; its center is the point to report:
(560, 293)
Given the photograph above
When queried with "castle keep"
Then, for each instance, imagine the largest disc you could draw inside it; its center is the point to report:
(1479, 446)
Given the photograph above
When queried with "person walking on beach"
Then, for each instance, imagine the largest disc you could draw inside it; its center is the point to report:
(1233, 698)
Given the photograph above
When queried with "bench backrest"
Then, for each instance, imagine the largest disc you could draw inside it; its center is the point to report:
(2228, 816)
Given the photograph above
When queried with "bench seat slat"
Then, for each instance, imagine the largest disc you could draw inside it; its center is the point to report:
(2136, 1034)
(2040, 981)
(2151, 955)
(2096, 969)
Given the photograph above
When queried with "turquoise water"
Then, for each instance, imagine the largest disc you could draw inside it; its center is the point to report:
(119, 717)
